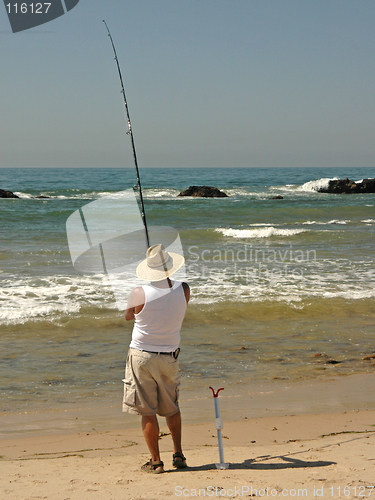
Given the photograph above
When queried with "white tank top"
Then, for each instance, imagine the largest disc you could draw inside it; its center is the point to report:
(157, 327)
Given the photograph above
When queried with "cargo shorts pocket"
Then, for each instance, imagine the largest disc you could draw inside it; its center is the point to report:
(129, 393)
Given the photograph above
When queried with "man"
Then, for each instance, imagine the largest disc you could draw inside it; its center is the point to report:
(152, 380)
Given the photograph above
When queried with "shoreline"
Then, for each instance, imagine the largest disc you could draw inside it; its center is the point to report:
(274, 399)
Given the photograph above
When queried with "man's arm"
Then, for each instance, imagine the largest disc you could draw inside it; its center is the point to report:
(186, 288)
(135, 303)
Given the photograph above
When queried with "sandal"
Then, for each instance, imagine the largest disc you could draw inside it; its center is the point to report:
(153, 467)
(179, 461)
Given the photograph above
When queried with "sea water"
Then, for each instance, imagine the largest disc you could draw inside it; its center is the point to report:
(281, 289)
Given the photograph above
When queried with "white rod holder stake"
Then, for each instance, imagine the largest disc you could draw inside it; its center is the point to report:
(219, 426)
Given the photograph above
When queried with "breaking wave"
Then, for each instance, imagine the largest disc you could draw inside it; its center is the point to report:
(316, 185)
(265, 232)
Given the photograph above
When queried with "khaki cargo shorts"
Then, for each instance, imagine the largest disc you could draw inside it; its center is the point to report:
(151, 384)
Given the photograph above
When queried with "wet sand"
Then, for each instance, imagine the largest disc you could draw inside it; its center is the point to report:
(274, 398)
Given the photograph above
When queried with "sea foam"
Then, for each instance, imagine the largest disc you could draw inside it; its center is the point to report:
(316, 185)
(265, 232)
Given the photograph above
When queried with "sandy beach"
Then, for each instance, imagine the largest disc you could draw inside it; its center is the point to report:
(326, 455)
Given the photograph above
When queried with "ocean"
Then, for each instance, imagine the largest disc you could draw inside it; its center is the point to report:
(282, 289)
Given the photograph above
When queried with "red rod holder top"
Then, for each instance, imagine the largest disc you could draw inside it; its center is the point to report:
(215, 394)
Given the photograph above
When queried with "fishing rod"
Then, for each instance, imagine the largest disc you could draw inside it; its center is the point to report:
(130, 132)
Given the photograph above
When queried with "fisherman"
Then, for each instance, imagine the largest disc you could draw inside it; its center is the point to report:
(151, 383)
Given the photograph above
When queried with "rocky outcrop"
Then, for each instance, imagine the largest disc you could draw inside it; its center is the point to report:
(203, 192)
(7, 194)
(347, 186)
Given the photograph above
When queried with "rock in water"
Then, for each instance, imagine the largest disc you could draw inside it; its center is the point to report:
(347, 186)
(370, 356)
(7, 194)
(203, 192)
(367, 186)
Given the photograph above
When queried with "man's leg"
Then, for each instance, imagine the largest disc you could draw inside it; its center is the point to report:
(174, 425)
(150, 427)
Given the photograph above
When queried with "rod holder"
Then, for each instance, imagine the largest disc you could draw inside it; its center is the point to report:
(219, 426)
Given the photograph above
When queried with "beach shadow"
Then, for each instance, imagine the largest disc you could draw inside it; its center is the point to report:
(288, 463)
(261, 464)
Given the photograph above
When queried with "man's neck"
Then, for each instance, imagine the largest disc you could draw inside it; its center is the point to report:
(167, 283)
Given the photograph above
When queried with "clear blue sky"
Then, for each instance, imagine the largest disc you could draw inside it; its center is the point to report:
(226, 83)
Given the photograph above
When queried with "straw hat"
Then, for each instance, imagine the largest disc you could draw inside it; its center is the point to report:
(159, 264)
